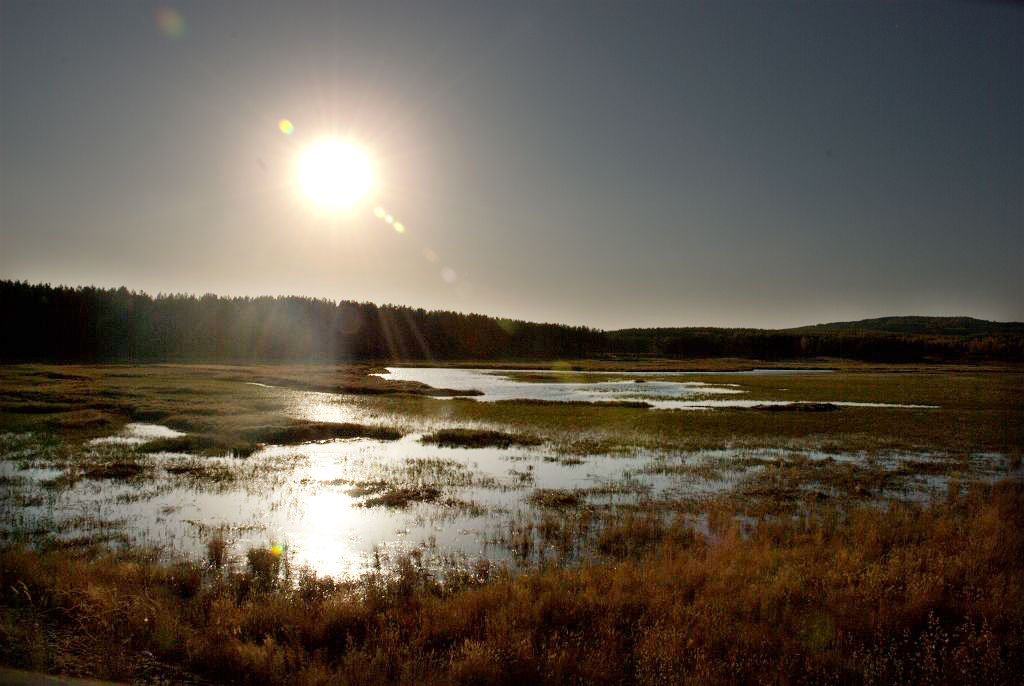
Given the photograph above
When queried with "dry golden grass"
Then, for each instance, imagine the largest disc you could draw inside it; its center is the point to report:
(905, 595)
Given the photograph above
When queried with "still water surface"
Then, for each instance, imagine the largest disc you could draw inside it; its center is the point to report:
(308, 497)
(672, 390)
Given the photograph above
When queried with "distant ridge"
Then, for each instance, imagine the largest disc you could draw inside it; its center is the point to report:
(932, 326)
(87, 324)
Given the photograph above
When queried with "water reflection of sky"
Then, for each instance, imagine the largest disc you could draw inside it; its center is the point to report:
(302, 496)
(662, 394)
(495, 385)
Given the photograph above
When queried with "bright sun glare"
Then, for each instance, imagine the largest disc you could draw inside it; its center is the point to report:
(334, 174)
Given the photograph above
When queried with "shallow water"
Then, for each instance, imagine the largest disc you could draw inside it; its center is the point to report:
(305, 498)
(663, 394)
(301, 497)
(314, 498)
(496, 385)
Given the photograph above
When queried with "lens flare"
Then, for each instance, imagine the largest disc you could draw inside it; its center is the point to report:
(170, 22)
(399, 227)
(379, 212)
(286, 127)
(334, 174)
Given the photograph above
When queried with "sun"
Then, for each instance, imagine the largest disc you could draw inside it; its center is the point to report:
(334, 174)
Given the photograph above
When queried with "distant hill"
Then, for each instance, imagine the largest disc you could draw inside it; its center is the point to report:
(931, 326)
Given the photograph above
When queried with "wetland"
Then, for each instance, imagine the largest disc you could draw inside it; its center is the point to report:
(262, 479)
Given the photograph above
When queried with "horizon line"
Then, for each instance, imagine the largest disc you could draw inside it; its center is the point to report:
(337, 302)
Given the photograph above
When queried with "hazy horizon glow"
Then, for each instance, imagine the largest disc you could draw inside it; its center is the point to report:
(609, 164)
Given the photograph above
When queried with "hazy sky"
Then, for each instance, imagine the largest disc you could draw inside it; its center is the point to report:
(606, 163)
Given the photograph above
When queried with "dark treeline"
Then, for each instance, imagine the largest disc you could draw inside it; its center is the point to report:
(780, 345)
(62, 324)
(88, 324)
(933, 326)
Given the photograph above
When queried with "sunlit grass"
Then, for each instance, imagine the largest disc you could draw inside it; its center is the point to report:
(875, 596)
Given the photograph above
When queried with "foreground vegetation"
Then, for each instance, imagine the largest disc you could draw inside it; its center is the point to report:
(905, 595)
(802, 571)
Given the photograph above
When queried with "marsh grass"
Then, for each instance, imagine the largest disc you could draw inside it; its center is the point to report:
(632, 534)
(35, 407)
(122, 471)
(97, 463)
(265, 567)
(798, 407)
(203, 471)
(557, 498)
(630, 404)
(353, 379)
(906, 594)
(244, 441)
(477, 438)
(201, 444)
(472, 508)
(565, 460)
(804, 573)
(587, 497)
(402, 496)
(417, 480)
(83, 402)
(306, 432)
(981, 408)
(694, 471)
(217, 549)
(786, 481)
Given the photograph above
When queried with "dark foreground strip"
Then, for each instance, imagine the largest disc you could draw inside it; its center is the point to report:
(16, 677)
